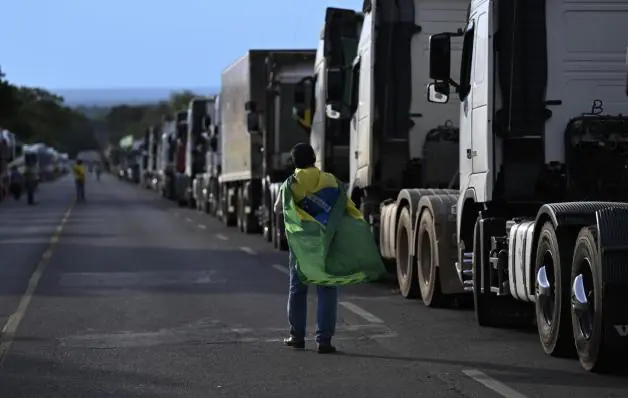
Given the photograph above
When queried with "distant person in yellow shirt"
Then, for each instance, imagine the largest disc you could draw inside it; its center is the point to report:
(79, 179)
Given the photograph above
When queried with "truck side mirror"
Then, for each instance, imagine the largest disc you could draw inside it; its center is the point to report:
(331, 113)
(438, 93)
(335, 86)
(250, 106)
(207, 122)
(252, 123)
(213, 143)
(440, 57)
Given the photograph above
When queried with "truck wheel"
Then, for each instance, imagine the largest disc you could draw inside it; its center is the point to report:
(279, 242)
(552, 294)
(427, 250)
(239, 210)
(212, 207)
(406, 267)
(268, 229)
(246, 220)
(205, 206)
(586, 305)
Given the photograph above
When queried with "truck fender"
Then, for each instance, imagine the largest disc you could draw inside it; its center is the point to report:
(440, 207)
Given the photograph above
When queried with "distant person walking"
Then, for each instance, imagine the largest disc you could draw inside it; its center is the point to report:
(79, 180)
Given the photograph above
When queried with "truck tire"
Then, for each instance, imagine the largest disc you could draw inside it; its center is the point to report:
(427, 250)
(247, 222)
(268, 229)
(406, 267)
(228, 219)
(205, 206)
(240, 210)
(587, 320)
(552, 292)
(279, 241)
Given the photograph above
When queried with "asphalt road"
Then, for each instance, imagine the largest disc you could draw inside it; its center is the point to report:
(127, 295)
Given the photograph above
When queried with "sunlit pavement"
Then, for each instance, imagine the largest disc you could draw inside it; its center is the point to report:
(128, 295)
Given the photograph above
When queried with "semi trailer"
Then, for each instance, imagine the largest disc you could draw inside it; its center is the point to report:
(258, 132)
(542, 210)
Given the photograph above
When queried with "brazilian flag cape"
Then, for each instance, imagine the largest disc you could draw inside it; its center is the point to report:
(331, 247)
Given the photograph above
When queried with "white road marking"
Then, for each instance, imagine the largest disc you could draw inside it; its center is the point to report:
(248, 250)
(281, 269)
(359, 311)
(8, 331)
(201, 226)
(222, 237)
(492, 384)
(188, 219)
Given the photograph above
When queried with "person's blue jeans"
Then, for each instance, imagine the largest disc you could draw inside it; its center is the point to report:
(327, 307)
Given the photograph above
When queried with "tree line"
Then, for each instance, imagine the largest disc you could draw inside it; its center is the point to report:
(34, 114)
(123, 120)
(38, 115)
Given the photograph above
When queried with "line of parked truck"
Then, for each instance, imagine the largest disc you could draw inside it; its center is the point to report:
(48, 163)
(484, 141)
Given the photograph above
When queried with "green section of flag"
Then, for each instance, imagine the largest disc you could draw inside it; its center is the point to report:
(341, 253)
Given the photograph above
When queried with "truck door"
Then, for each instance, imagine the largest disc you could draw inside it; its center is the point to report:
(362, 143)
(339, 41)
(466, 96)
(481, 84)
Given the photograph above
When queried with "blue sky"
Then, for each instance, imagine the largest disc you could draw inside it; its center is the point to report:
(61, 44)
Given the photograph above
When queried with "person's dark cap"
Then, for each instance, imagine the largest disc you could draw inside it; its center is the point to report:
(303, 156)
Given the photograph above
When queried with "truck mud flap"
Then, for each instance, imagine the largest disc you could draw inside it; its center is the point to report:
(613, 251)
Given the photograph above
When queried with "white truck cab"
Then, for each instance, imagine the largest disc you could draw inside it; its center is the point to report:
(391, 71)
(322, 100)
(543, 160)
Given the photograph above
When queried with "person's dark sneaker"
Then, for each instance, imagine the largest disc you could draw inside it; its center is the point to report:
(294, 343)
(326, 348)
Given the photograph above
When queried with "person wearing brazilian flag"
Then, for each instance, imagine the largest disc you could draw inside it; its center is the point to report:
(330, 246)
